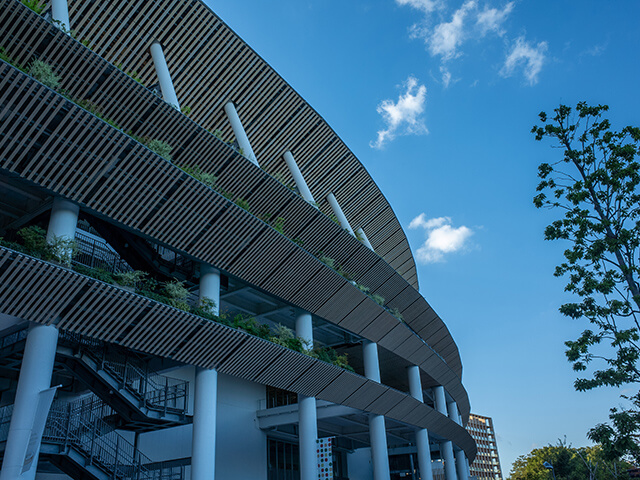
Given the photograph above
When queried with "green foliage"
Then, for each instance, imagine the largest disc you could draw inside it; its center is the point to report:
(333, 217)
(186, 110)
(177, 294)
(569, 463)
(216, 133)
(97, 273)
(329, 355)
(278, 225)
(596, 185)
(196, 172)
(62, 250)
(161, 148)
(284, 336)
(34, 240)
(133, 74)
(298, 241)
(362, 288)
(5, 56)
(280, 177)
(35, 5)
(43, 72)
(396, 313)
(328, 261)
(130, 279)
(242, 203)
(379, 299)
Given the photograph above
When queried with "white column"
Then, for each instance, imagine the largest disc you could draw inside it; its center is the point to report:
(63, 220)
(240, 134)
(35, 375)
(461, 458)
(377, 428)
(203, 450)
(446, 448)
(60, 13)
(307, 416)
(164, 77)
(303, 188)
(361, 235)
(422, 435)
(342, 220)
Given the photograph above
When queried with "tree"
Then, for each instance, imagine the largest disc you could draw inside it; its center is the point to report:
(596, 186)
(585, 463)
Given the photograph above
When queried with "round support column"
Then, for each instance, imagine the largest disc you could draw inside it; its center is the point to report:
(422, 435)
(446, 448)
(307, 416)
(303, 188)
(342, 219)
(461, 465)
(240, 134)
(60, 14)
(164, 77)
(377, 428)
(63, 220)
(35, 375)
(203, 450)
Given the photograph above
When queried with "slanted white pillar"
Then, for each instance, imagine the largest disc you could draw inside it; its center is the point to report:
(377, 428)
(203, 450)
(307, 416)
(164, 77)
(342, 219)
(60, 13)
(361, 235)
(303, 188)
(446, 448)
(422, 435)
(240, 134)
(35, 375)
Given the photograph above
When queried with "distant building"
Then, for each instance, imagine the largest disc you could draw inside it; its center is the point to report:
(486, 465)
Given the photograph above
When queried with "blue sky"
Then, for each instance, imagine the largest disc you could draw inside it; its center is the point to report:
(437, 98)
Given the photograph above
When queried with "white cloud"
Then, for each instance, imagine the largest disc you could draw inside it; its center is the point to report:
(530, 58)
(448, 36)
(491, 19)
(446, 76)
(427, 6)
(441, 238)
(403, 117)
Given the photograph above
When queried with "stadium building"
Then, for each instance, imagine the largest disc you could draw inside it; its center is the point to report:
(198, 279)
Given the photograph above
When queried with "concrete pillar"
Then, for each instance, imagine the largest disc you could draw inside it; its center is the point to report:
(461, 465)
(446, 448)
(363, 238)
(377, 428)
(164, 77)
(303, 188)
(342, 220)
(307, 416)
(63, 220)
(422, 435)
(35, 375)
(60, 13)
(203, 450)
(240, 134)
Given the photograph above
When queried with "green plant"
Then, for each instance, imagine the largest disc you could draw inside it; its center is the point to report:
(379, 299)
(62, 250)
(161, 148)
(130, 279)
(43, 72)
(298, 241)
(278, 225)
(34, 240)
(362, 288)
(196, 172)
(97, 273)
(186, 110)
(242, 203)
(86, 43)
(333, 217)
(177, 294)
(396, 313)
(216, 133)
(328, 261)
(35, 5)
(241, 151)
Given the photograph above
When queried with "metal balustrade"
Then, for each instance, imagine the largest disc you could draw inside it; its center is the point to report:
(96, 254)
(79, 425)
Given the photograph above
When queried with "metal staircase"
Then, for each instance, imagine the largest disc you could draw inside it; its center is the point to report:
(142, 400)
(78, 441)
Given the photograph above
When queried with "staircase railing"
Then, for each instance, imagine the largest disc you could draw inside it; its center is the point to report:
(154, 391)
(79, 425)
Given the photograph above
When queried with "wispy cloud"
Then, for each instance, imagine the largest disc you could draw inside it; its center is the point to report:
(445, 34)
(441, 238)
(491, 19)
(403, 117)
(530, 58)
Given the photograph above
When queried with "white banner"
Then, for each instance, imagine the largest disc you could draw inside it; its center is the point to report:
(45, 399)
(325, 458)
